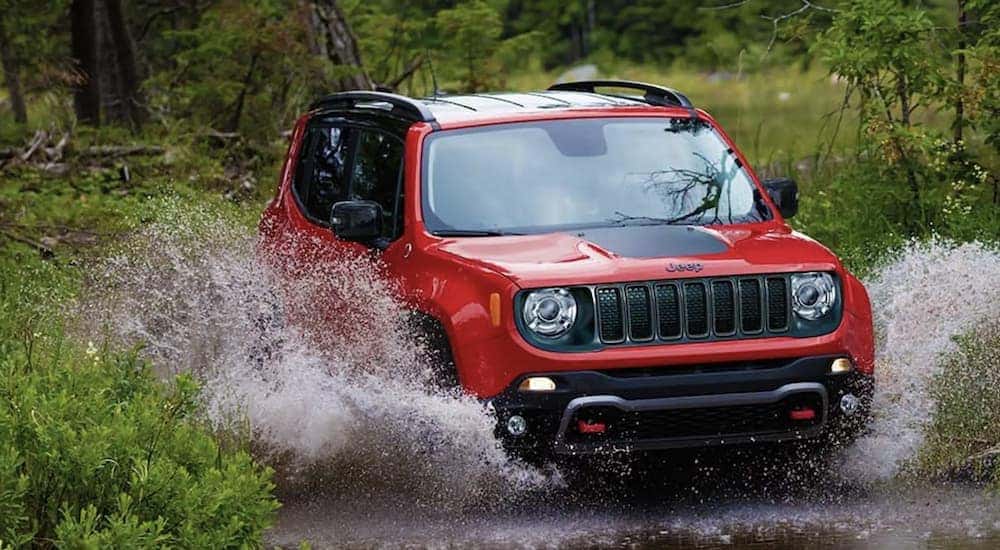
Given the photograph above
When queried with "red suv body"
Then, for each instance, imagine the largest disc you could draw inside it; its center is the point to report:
(606, 269)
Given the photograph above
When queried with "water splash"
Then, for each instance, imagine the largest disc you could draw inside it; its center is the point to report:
(349, 405)
(345, 402)
(931, 293)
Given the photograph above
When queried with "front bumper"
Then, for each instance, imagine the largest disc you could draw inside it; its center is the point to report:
(691, 407)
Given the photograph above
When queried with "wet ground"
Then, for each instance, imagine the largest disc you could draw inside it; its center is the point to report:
(697, 507)
(925, 517)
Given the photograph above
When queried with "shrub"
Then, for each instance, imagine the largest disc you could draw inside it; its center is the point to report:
(94, 452)
(964, 436)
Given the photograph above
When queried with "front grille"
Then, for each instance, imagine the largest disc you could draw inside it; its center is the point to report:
(693, 309)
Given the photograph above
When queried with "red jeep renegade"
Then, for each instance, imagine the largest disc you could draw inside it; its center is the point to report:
(604, 268)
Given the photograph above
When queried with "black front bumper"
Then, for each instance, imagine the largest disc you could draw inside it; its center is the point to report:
(683, 407)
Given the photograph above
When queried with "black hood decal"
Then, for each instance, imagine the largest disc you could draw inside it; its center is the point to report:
(655, 241)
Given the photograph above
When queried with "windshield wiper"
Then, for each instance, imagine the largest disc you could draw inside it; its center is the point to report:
(622, 219)
(471, 233)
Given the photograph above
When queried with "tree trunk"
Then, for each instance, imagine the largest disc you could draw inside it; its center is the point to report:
(338, 43)
(112, 105)
(234, 122)
(12, 76)
(129, 79)
(959, 124)
(83, 30)
(916, 208)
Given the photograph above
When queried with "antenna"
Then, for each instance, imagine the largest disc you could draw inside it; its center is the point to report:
(434, 80)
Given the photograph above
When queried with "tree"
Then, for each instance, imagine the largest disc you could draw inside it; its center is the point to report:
(126, 64)
(880, 47)
(335, 40)
(84, 36)
(12, 73)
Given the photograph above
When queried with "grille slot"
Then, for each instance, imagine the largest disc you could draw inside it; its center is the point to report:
(640, 313)
(751, 318)
(609, 312)
(724, 307)
(696, 309)
(777, 304)
(668, 310)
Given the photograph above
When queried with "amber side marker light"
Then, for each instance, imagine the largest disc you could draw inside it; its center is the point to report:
(537, 383)
(841, 365)
(495, 309)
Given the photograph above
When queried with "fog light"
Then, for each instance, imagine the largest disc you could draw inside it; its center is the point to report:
(517, 425)
(841, 365)
(850, 404)
(537, 383)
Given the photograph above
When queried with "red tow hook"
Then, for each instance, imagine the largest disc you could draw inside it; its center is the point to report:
(802, 413)
(586, 427)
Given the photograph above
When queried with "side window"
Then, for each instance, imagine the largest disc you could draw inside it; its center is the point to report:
(322, 178)
(377, 176)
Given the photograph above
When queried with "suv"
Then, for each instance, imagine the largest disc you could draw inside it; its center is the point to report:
(605, 269)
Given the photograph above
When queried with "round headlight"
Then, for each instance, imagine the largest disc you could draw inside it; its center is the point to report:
(550, 312)
(813, 295)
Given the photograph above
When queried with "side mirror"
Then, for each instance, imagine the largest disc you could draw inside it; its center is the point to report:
(784, 192)
(359, 221)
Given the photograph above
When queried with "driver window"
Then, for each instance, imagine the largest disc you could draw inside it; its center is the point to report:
(377, 176)
(322, 176)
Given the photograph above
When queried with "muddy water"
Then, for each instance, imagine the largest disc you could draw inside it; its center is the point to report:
(367, 454)
(928, 516)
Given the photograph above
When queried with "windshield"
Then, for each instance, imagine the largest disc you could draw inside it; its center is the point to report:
(548, 176)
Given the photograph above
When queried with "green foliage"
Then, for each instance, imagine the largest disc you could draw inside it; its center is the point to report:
(95, 453)
(982, 93)
(245, 65)
(471, 36)
(898, 74)
(964, 435)
(879, 46)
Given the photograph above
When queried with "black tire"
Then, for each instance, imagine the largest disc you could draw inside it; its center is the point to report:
(444, 372)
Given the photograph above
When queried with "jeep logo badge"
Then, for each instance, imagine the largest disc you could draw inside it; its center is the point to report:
(694, 268)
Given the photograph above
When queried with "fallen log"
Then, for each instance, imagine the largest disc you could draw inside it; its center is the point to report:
(45, 251)
(37, 141)
(120, 150)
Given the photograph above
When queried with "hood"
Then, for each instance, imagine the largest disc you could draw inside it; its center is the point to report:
(639, 253)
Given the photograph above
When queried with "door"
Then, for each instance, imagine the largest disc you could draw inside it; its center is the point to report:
(338, 161)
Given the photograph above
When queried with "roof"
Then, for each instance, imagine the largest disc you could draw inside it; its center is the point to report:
(451, 109)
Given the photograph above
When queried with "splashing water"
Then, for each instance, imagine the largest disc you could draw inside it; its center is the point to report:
(348, 405)
(931, 293)
(345, 405)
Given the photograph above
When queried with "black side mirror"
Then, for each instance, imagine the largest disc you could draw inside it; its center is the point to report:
(359, 221)
(784, 192)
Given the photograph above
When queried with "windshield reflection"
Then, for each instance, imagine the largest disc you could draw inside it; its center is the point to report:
(558, 175)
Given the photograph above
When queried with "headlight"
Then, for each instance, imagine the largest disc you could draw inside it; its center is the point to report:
(550, 312)
(813, 295)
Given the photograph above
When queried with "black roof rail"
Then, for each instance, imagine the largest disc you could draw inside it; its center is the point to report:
(406, 107)
(652, 94)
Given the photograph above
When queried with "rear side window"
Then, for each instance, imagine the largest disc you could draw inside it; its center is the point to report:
(377, 176)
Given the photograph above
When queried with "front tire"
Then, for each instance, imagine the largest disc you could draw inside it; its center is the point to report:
(438, 354)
